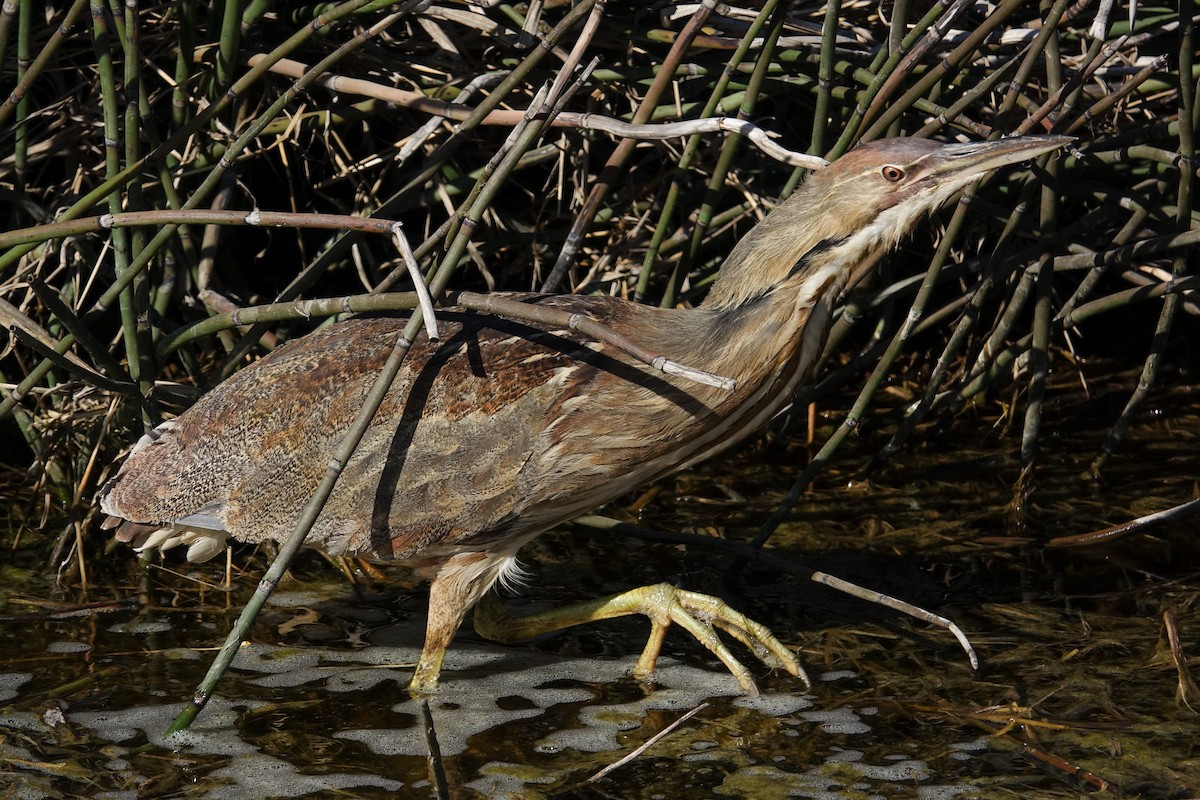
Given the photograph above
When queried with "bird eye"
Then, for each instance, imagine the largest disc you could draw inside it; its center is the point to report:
(892, 173)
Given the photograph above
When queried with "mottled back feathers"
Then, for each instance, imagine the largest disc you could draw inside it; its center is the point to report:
(500, 429)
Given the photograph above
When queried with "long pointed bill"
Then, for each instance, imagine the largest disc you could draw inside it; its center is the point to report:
(961, 162)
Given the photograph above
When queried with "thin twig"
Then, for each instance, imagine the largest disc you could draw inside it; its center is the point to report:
(646, 745)
(424, 301)
(1188, 692)
(433, 751)
(1175, 514)
(530, 312)
(583, 121)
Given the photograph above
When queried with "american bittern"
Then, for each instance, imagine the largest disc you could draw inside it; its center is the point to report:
(502, 429)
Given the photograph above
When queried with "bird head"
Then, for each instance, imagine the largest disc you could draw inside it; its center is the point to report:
(860, 204)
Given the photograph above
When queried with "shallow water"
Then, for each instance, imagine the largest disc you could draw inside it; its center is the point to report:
(1077, 690)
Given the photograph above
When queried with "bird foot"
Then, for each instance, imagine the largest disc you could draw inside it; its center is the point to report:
(424, 681)
(663, 604)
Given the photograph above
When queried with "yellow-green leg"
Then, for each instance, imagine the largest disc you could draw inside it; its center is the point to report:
(663, 604)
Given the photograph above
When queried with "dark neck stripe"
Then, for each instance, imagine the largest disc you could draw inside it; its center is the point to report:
(805, 261)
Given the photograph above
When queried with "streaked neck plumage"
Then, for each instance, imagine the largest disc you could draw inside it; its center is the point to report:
(774, 295)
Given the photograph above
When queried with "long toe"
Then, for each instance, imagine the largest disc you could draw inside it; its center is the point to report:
(756, 637)
(701, 615)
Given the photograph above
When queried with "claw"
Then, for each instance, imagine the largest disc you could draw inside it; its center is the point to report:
(700, 614)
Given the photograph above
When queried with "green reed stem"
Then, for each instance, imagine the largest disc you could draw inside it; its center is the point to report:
(953, 60)
(616, 160)
(21, 131)
(1183, 224)
(822, 111)
(344, 452)
(1043, 306)
(304, 524)
(110, 110)
(665, 215)
(39, 64)
(8, 11)
(230, 41)
(729, 150)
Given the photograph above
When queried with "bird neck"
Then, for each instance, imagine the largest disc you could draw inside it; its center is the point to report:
(779, 327)
(822, 233)
(757, 341)
(800, 232)
(773, 300)
(775, 293)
